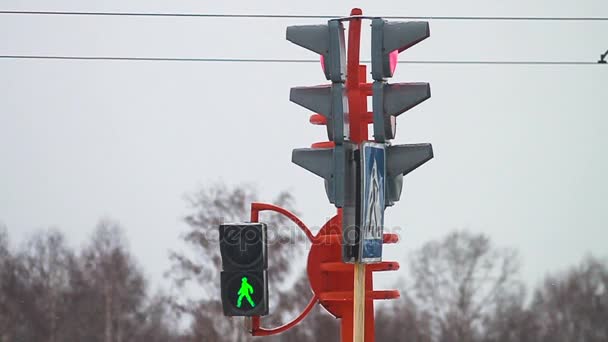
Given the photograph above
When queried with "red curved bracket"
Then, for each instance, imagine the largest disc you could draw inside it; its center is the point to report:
(257, 207)
(256, 330)
(347, 296)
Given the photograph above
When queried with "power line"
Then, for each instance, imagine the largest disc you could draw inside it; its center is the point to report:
(501, 62)
(297, 16)
(273, 60)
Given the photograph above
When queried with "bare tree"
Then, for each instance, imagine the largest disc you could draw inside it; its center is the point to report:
(573, 306)
(11, 289)
(5, 276)
(36, 292)
(198, 269)
(401, 320)
(511, 321)
(45, 260)
(460, 280)
(159, 324)
(119, 283)
(86, 321)
(47, 293)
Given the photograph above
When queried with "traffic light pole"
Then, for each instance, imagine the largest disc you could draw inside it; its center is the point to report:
(340, 268)
(352, 303)
(357, 109)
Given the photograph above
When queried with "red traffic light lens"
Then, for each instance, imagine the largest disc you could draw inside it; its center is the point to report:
(322, 63)
(393, 57)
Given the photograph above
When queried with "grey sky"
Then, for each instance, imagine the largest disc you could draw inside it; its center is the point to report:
(519, 150)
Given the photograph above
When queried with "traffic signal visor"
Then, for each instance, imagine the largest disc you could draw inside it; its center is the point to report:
(326, 40)
(401, 160)
(391, 38)
(390, 100)
(331, 102)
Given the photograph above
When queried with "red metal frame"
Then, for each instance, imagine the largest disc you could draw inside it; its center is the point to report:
(256, 330)
(357, 100)
(331, 280)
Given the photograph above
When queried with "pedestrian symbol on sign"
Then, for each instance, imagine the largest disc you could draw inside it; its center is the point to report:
(373, 174)
(245, 291)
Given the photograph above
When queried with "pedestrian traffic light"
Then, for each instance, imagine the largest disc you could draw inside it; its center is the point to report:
(244, 284)
(244, 293)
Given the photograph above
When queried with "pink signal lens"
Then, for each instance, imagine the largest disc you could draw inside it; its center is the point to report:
(392, 57)
(323, 63)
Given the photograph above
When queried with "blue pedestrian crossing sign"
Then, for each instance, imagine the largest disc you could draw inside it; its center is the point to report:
(373, 174)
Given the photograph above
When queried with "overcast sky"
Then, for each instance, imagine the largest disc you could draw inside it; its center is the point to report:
(520, 151)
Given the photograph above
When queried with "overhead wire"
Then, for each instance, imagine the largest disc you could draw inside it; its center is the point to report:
(290, 16)
(281, 60)
(296, 16)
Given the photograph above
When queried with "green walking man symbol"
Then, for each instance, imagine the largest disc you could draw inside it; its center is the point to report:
(246, 291)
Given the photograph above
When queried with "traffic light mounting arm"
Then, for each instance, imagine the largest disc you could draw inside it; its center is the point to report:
(256, 330)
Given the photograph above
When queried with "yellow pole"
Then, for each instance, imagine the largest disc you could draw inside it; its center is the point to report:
(359, 303)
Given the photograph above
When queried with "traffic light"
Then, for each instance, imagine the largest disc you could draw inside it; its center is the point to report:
(391, 38)
(330, 101)
(361, 177)
(401, 160)
(391, 100)
(338, 166)
(335, 165)
(327, 41)
(244, 283)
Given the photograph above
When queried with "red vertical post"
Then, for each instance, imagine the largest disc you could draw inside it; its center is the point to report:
(358, 126)
(357, 109)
